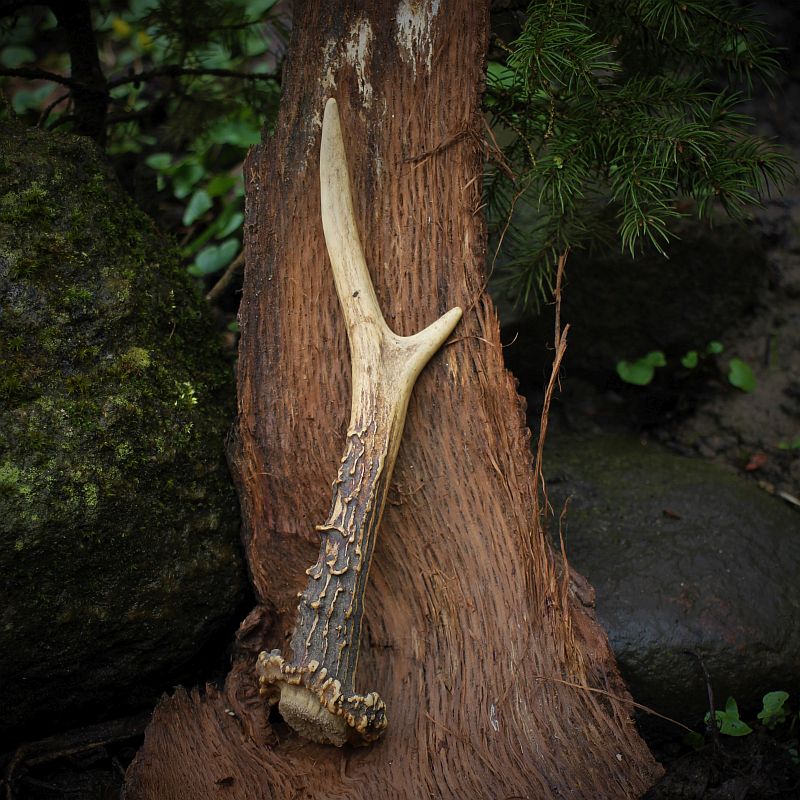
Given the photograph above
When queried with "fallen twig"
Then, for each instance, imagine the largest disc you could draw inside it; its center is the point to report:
(219, 287)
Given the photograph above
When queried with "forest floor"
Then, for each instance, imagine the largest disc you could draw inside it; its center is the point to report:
(755, 767)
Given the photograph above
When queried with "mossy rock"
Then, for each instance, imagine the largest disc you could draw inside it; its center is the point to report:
(119, 549)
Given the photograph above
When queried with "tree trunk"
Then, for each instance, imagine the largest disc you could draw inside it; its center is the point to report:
(487, 660)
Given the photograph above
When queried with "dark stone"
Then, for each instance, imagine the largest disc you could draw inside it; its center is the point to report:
(623, 308)
(684, 556)
(119, 549)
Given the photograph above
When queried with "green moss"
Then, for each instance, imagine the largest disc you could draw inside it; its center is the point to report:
(31, 204)
(77, 295)
(90, 494)
(9, 476)
(115, 407)
(137, 359)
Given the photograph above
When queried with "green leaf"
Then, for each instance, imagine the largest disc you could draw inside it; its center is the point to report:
(740, 375)
(690, 359)
(773, 711)
(655, 358)
(209, 231)
(732, 727)
(234, 326)
(159, 161)
(641, 371)
(256, 44)
(236, 132)
(233, 224)
(255, 8)
(15, 55)
(638, 373)
(729, 721)
(215, 55)
(220, 184)
(793, 444)
(230, 248)
(198, 205)
(26, 99)
(140, 7)
(500, 75)
(714, 348)
(185, 176)
(212, 259)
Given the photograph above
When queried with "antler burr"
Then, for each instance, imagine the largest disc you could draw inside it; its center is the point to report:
(315, 690)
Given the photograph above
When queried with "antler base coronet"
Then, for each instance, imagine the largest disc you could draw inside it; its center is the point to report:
(311, 702)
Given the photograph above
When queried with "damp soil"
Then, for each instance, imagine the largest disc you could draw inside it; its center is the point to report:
(87, 761)
(755, 767)
(67, 767)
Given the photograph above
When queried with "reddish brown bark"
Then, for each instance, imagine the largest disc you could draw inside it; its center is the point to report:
(481, 653)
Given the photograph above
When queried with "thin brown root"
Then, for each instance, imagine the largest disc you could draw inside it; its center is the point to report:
(560, 341)
(219, 287)
(616, 697)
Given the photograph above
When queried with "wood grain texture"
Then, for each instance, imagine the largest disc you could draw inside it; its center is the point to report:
(471, 635)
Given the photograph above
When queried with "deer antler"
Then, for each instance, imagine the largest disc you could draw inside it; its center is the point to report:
(315, 691)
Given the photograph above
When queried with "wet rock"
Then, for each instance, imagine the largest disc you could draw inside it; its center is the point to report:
(622, 308)
(684, 556)
(119, 549)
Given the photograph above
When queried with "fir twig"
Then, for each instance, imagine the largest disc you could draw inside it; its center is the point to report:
(604, 121)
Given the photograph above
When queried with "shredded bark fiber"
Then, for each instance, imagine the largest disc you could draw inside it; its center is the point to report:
(470, 636)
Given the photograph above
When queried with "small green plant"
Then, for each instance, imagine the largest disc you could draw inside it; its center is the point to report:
(740, 375)
(189, 86)
(690, 360)
(774, 710)
(792, 444)
(642, 371)
(208, 185)
(729, 722)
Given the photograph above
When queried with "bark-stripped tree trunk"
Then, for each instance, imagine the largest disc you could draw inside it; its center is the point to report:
(485, 660)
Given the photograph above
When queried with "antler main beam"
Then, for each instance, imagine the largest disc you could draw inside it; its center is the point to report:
(315, 690)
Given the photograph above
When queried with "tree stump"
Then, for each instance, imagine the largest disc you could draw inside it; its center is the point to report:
(488, 661)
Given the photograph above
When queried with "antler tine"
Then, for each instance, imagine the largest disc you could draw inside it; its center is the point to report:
(350, 273)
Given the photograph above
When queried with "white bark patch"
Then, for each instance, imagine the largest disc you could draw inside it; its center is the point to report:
(357, 51)
(414, 21)
(354, 50)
